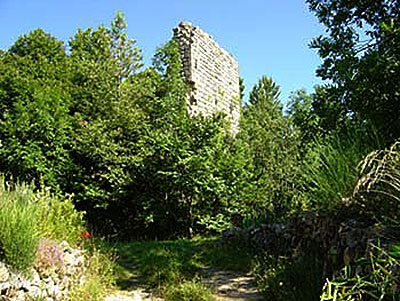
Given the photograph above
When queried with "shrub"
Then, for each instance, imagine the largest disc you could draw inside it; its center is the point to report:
(18, 226)
(58, 218)
(26, 216)
(49, 256)
(374, 277)
(288, 278)
(98, 276)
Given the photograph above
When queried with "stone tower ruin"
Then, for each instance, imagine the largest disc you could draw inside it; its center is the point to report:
(211, 72)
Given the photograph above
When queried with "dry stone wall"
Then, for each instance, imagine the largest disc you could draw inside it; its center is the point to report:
(211, 72)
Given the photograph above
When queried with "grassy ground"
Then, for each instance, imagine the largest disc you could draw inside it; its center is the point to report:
(174, 268)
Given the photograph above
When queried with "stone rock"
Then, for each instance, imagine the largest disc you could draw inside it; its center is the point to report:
(50, 285)
(69, 259)
(4, 273)
(35, 292)
(15, 281)
(53, 285)
(54, 291)
(25, 285)
(65, 246)
(20, 296)
(35, 278)
(5, 286)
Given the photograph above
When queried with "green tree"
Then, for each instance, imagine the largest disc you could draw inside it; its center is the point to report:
(127, 55)
(303, 117)
(241, 88)
(185, 177)
(38, 45)
(361, 60)
(73, 120)
(109, 125)
(35, 124)
(273, 149)
(86, 122)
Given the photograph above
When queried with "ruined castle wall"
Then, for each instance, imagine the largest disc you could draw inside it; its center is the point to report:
(211, 72)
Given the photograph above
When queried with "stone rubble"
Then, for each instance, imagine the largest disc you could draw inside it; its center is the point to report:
(42, 284)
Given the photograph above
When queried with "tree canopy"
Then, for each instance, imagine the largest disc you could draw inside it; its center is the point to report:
(361, 61)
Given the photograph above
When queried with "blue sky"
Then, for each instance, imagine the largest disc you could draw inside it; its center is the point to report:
(267, 37)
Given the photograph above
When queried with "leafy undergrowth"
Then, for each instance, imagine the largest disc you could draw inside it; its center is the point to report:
(174, 268)
(99, 273)
(33, 223)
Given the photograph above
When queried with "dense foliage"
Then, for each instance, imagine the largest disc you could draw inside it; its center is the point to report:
(36, 227)
(361, 59)
(272, 153)
(84, 120)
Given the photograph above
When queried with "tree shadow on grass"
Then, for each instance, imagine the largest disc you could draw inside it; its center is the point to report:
(156, 263)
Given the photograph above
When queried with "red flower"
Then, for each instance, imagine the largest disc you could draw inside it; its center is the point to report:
(85, 234)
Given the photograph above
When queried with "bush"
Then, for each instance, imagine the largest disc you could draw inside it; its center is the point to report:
(288, 278)
(58, 218)
(374, 277)
(49, 257)
(18, 226)
(26, 216)
(98, 275)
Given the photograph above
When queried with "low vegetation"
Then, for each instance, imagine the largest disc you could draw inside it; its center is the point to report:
(175, 269)
(19, 227)
(32, 226)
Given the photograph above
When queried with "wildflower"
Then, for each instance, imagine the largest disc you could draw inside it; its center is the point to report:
(85, 234)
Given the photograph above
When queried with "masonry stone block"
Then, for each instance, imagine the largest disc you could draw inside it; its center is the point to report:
(212, 72)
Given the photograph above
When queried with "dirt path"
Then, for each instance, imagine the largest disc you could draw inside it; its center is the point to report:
(133, 295)
(225, 285)
(146, 261)
(229, 286)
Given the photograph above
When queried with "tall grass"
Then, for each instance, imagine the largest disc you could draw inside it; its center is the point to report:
(289, 278)
(378, 188)
(99, 274)
(26, 215)
(58, 219)
(331, 169)
(19, 231)
(374, 277)
(188, 290)
(175, 268)
(331, 173)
